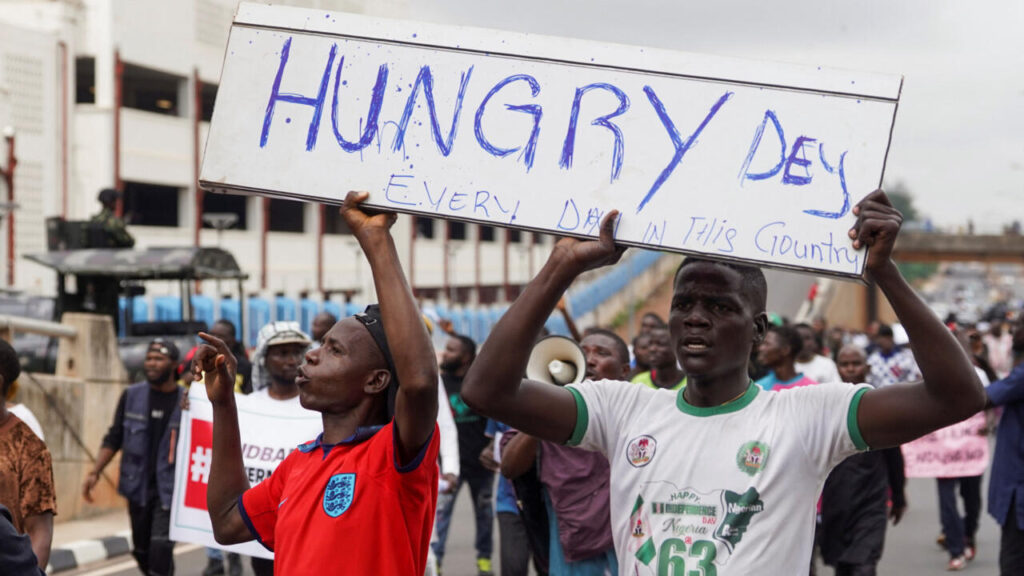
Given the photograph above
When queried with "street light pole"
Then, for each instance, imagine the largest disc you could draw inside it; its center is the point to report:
(7, 173)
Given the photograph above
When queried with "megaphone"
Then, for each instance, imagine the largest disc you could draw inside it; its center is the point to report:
(557, 360)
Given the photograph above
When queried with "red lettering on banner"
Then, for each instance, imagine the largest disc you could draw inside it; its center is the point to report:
(955, 451)
(200, 456)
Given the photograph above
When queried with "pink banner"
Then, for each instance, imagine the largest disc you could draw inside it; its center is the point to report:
(953, 452)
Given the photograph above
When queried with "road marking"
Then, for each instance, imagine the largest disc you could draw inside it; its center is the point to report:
(127, 564)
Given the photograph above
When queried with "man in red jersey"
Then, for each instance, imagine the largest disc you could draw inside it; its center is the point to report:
(360, 498)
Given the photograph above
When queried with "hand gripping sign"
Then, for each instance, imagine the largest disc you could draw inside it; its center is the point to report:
(270, 430)
(732, 159)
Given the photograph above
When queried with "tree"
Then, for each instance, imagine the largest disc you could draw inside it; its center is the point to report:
(914, 272)
(903, 201)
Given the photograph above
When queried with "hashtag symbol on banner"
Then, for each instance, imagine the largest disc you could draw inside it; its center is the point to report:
(201, 464)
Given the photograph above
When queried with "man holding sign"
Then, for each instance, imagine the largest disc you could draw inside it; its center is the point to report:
(361, 496)
(720, 476)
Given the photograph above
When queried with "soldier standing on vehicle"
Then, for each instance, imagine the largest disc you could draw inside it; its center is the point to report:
(117, 235)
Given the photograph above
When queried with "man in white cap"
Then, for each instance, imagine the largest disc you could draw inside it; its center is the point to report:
(280, 348)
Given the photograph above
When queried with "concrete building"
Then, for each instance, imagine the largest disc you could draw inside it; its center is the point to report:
(118, 93)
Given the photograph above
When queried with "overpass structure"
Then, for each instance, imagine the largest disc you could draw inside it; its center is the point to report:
(930, 247)
(853, 305)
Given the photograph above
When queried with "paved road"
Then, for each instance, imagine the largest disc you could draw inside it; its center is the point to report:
(910, 547)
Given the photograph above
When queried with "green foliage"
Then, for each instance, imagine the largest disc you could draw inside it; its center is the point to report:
(916, 272)
(904, 202)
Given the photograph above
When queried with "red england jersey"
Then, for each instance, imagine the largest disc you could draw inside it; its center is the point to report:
(347, 508)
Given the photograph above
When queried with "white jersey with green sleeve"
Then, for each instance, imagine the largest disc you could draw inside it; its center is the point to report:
(728, 490)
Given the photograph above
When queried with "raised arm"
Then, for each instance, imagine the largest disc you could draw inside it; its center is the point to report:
(215, 365)
(494, 385)
(950, 391)
(415, 363)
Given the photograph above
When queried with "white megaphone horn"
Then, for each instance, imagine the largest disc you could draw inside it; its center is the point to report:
(557, 360)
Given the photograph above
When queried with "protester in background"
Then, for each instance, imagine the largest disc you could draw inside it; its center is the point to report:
(448, 453)
(837, 338)
(641, 362)
(810, 360)
(958, 532)
(458, 355)
(651, 321)
(1006, 486)
(22, 411)
(576, 482)
(226, 331)
(978, 350)
(890, 364)
(448, 456)
(999, 342)
(282, 346)
(665, 371)
(322, 322)
(514, 540)
(778, 352)
(26, 469)
(854, 499)
(145, 428)
(116, 235)
(359, 498)
(820, 327)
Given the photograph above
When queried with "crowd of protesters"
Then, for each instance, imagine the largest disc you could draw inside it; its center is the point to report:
(556, 502)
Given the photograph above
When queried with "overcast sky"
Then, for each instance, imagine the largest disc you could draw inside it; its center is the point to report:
(958, 144)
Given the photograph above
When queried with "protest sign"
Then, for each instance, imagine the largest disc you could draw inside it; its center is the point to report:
(270, 430)
(953, 452)
(734, 159)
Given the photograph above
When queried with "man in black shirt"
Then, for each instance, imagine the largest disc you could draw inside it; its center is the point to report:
(459, 353)
(145, 429)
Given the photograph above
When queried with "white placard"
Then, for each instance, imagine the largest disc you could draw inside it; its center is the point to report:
(734, 159)
(269, 429)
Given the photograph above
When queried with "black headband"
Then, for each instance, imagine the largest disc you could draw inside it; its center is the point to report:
(371, 319)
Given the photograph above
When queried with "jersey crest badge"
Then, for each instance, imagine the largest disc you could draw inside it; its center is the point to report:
(338, 495)
(752, 457)
(640, 450)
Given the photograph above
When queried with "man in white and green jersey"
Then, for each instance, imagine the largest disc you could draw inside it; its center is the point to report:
(720, 478)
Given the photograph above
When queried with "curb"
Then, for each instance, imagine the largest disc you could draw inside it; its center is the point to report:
(77, 554)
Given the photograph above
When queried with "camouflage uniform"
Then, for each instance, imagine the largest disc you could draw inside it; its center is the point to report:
(117, 234)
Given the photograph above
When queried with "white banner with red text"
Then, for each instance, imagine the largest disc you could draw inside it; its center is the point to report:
(955, 451)
(270, 430)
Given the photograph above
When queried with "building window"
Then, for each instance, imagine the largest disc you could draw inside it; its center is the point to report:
(488, 294)
(427, 293)
(85, 80)
(424, 227)
(333, 221)
(486, 233)
(207, 96)
(287, 215)
(214, 203)
(150, 204)
(456, 230)
(514, 236)
(460, 294)
(150, 90)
